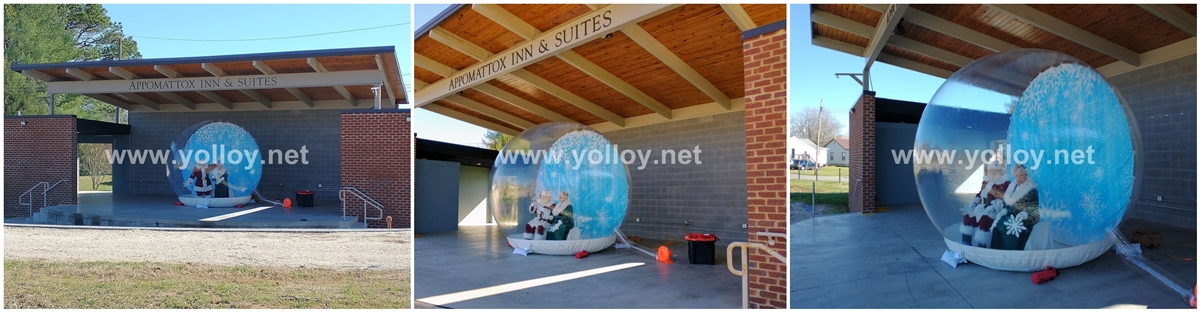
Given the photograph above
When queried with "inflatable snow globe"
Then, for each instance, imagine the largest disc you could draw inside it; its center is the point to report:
(214, 164)
(558, 189)
(1027, 159)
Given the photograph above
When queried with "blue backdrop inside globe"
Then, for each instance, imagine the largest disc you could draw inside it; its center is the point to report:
(1084, 186)
(207, 144)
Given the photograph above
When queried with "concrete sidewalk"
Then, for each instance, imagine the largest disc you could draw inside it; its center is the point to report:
(477, 257)
(893, 260)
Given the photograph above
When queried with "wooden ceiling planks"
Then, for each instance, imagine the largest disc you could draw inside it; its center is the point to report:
(480, 30)
(472, 113)
(839, 35)
(442, 54)
(537, 96)
(572, 79)
(763, 14)
(650, 75)
(943, 41)
(1124, 24)
(546, 16)
(503, 106)
(705, 38)
(917, 57)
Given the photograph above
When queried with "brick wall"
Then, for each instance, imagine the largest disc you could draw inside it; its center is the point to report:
(315, 130)
(1163, 100)
(765, 63)
(376, 158)
(710, 196)
(42, 150)
(862, 154)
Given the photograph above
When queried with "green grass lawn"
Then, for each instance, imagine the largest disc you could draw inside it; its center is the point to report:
(827, 171)
(135, 285)
(828, 193)
(85, 183)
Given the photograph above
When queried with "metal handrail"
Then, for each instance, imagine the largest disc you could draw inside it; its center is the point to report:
(367, 201)
(745, 261)
(46, 189)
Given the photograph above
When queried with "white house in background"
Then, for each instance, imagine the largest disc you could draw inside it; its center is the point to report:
(839, 151)
(804, 149)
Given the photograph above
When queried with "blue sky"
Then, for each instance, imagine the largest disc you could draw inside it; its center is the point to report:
(204, 22)
(434, 126)
(811, 69)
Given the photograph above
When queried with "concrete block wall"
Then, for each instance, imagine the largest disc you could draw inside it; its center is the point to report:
(1163, 100)
(315, 130)
(765, 64)
(376, 158)
(43, 150)
(710, 196)
(862, 154)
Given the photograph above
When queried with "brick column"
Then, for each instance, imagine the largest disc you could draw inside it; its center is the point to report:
(45, 149)
(862, 154)
(377, 160)
(765, 61)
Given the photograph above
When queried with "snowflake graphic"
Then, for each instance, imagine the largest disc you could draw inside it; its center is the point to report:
(1015, 225)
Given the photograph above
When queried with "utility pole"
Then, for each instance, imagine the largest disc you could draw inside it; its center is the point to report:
(120, 56)
(816, 164)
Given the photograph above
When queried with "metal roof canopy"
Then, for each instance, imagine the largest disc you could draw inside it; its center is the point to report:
(464, 155)
(510, 67)
(316, 79)
(939, 39)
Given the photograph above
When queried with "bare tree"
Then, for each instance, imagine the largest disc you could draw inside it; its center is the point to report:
(93, 162)
(804, 125)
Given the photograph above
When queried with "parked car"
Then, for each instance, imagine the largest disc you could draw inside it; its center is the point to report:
(802, 164)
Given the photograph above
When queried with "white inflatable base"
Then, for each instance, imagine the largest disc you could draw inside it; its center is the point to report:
(192, 201)
(560, 247)
(1030, 260)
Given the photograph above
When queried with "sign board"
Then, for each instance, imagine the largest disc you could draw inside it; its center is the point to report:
(567, 36)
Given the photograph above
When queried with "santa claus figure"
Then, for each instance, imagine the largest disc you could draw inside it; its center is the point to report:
(543, 210)
(201, 179)
(1021, 212)
(991, 203)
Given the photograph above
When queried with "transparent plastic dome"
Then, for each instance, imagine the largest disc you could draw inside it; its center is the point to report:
(559, 188)
(1039, 160)
(214, 163)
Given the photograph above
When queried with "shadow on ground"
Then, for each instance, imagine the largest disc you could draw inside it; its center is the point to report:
(893, 260)
(476, 257)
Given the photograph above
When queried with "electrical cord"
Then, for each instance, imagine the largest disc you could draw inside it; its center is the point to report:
(1168, 252)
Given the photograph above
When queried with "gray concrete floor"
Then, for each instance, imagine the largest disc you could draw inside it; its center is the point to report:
(160, 209)
(893, 260)
(478, 256)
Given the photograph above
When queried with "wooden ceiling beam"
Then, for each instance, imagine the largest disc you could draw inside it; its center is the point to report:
(559, 92)
(110, 100)
(141, 100)
(739, 16)
(79, 73)
(38, 75)
(664, 54)
(267, 70)
(458, 43)
(847, 25)
(957, 31)
(488, 110)
(1153, 57)
(320, 68)
(521, 103)
(1063, 29)
(445, 111)
(847, 48)
(433, 66)
(1173, 15)
(883, 31)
